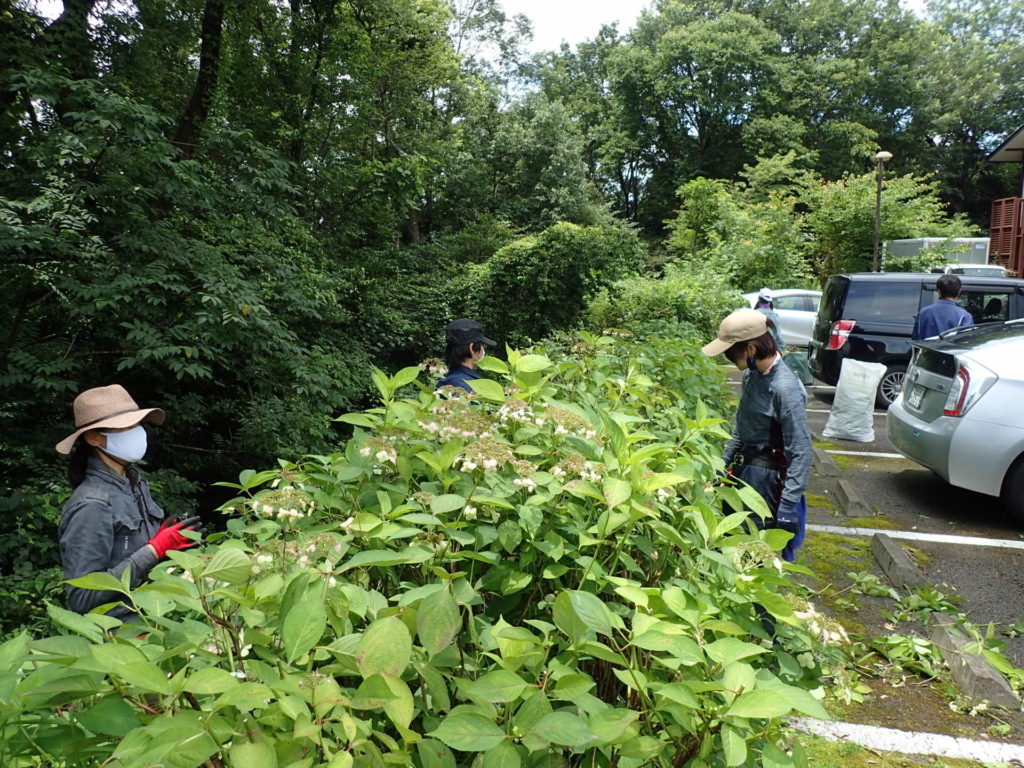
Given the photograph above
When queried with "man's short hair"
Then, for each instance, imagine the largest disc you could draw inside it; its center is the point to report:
(948, 286)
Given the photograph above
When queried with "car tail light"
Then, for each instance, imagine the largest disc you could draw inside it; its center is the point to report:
(840, 332)
(972, 380)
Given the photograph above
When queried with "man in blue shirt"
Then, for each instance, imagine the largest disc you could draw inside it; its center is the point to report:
(944, 313)
(464, 349)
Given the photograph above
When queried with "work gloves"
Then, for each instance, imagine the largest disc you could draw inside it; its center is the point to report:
(169, 536)
(786, 518)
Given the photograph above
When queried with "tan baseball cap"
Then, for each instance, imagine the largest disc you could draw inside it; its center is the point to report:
(741, 325)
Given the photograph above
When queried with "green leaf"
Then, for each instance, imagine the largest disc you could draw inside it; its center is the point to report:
(385, 647)
(110, 716)
(434, 754)
(80, 625)
(252, 754)
(210, 680)
(447, 502)
(760, 703)
(492, 365)
(359, 420)
(679, 693)
(98, 581)
(497, 686)
(304, 624)
(660, 480)
(564, 729)
(575, 612)
(438, 621)
(469, 732)
(505, 755)
(404, 376)
(488, 389)
(728, 649)
(229, 564)
(616, 491)
(532, 363)
(734, 746)
(378, 557)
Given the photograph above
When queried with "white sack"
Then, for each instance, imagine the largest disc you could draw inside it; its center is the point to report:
(852, 416)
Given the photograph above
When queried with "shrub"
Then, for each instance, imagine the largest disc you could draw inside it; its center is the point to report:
(542, 578)
(541, 283)
(686, 294)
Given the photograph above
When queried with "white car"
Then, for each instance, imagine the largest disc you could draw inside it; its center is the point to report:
(796, 308)
(959, 412)
(972, 270)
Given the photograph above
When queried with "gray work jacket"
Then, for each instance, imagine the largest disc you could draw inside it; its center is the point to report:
(777, 395)
(105, 526)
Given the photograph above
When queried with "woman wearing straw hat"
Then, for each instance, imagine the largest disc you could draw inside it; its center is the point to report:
(111, 521)
(770, 448)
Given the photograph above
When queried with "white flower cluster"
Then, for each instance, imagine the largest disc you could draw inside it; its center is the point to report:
(558, 471)
(525, 482)
(828, 630)
(664, 493)
(469, 512)
(515, 410)
(589, 472)
(468, 465)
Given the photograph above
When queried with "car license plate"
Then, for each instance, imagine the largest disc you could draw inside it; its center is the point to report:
(916, 396)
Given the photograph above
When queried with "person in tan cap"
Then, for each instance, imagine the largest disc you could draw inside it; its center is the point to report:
(770, 447)
(111, 521)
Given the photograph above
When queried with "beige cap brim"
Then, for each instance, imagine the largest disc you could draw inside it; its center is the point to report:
(120, 421)
(716, 347)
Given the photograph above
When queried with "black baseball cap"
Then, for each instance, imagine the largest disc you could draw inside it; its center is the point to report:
(466, 331)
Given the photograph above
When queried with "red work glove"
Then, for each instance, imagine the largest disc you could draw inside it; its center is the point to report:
(168, 536)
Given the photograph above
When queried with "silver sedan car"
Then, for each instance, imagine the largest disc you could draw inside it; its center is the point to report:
(796, 308)
(960, 413)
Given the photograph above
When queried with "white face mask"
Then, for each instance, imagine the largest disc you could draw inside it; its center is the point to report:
(129, 445)
(483, 353)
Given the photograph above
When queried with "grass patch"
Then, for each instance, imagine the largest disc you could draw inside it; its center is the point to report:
(831, 553)
(821, 501)
(825, 445)
(829, 754)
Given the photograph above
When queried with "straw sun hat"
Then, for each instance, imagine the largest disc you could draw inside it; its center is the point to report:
(107, 407)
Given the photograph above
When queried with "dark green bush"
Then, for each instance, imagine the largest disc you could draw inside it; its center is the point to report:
(541, 283)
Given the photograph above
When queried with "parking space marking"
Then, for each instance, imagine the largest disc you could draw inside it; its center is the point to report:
(870, 454)
(826, 410)
(939, 538)
(909, 742)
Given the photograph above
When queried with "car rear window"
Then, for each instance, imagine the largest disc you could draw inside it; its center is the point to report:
(800, 303)
(937, 362)
(882, 302)
(832, 299)
(985, 305)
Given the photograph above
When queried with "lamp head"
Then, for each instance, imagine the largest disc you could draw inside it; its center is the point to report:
(883, 156)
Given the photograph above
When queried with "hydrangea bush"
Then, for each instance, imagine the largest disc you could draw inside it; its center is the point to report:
(541, 575)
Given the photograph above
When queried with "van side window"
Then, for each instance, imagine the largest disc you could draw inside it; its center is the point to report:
(985, 306)
(882, 302)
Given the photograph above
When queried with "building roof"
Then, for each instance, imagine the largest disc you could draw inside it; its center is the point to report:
(1011, 150)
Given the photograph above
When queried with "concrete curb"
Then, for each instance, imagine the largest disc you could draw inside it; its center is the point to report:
(825, 464)
(896, 563)
(971, 672)
(851, 501)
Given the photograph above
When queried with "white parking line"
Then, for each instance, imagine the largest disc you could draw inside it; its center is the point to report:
(826, 410)
(910, 743)
(939, 538)
(870, 454)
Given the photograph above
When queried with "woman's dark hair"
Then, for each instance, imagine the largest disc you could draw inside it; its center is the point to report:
(455, 353)
(764, 346)
(76, 467)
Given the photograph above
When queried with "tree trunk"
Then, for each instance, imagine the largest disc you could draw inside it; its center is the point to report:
(191, 124)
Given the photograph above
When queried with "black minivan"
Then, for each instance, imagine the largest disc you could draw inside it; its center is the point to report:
(869, 316)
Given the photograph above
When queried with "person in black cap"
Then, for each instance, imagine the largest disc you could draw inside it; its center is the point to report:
(464, 349)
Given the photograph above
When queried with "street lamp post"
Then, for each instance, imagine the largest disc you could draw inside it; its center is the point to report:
(881, 157)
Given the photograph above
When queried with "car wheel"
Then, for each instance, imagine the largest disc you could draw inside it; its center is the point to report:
(890, 386)
(1013, 491)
